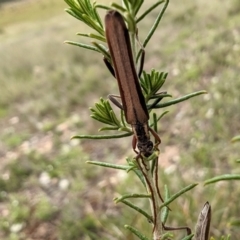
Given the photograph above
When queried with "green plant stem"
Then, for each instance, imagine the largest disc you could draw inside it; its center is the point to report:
(155, 200)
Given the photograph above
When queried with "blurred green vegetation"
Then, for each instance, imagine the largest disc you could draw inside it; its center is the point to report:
(46, 189)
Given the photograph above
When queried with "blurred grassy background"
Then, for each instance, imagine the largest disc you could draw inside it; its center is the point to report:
(46, 189)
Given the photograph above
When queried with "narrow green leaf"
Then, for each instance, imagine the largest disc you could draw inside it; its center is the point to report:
(136, 170)
(136, 232)
(101, 6)
(82, 45)
(189, 237)
(102, 49)
(100, 119)
(236, 139)
(235, 222)
(131, 169)
(98, 37)
(149, 10)
(75, 14)
(155, 25)
(93, 36)
(108, 165)
(125, 129)
(123, 119)
(89, 7)
(101, 136)
(137, 6)
(96, 15)
(160, 95)
(114, 118)
(225, 177)
(176, 195)
(167, 236)
(82, 6)
(108, 129)
(71, 3)
(181, 99)
(161, 116)
(118, 7)
(101, 110)
(93, 24)
(126, 5)
(131, 195)
(165, 211)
